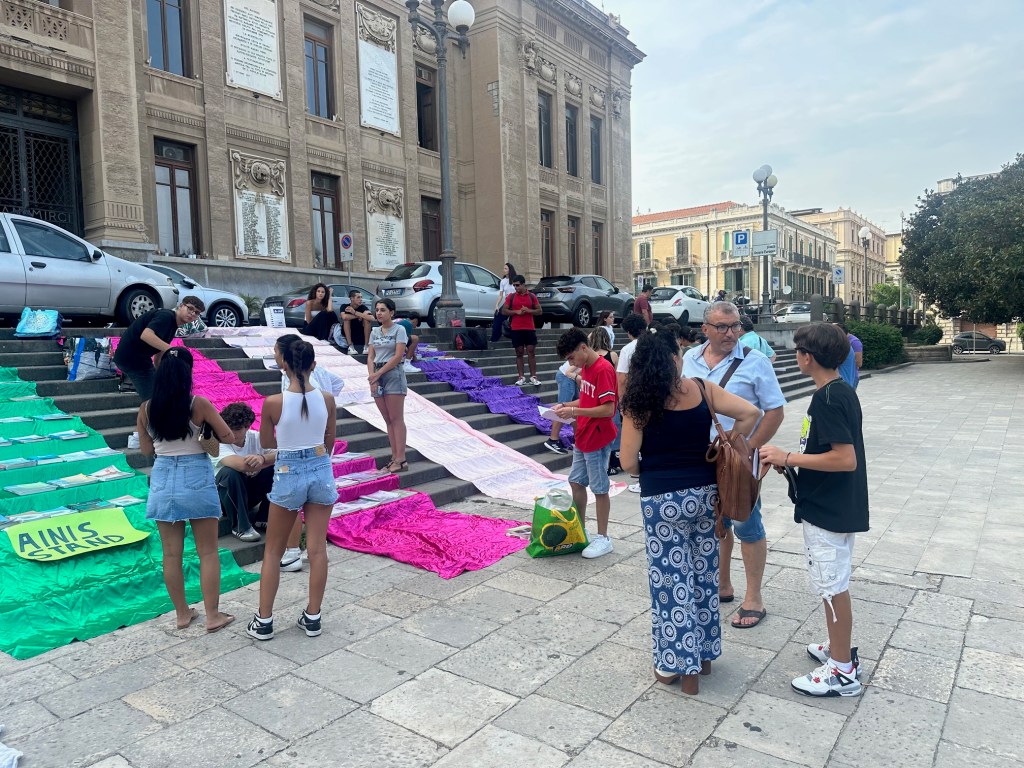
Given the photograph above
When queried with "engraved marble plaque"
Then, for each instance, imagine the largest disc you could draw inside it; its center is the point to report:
(385, 225)
(252, 46)
(261, 214)
(378, 88)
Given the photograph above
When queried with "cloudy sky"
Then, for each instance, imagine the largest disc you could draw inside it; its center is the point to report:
(859, 104)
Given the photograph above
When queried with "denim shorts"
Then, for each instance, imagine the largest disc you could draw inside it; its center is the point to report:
(182, 488)
(391, 383)
(567, 390)
(303, 477)
(751, 529)
(590, 469)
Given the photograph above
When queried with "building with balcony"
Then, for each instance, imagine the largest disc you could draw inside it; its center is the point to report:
(845, 225)
(695, 246)
(249, 134)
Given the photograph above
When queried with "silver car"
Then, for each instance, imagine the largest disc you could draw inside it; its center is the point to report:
(223, 309)
(42, 265)
(416, 287)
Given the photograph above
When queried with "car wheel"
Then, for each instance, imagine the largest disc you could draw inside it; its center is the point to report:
(583, 316)
(432, 314)
(684, 319)
(134, 304)
(224, 316)
(957, 349)
(993, 350)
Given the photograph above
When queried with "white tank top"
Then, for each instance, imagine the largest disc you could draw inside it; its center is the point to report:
(184, 447)
(295, 433)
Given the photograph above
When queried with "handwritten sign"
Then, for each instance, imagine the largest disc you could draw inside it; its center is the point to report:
(65, 536)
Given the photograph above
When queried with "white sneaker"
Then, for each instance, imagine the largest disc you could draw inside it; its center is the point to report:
(535, 381)
(633, 487)
(599, 545)
(291, 560)
(133, 441)
(827, 680)
(520, 382)
(820, 653)
(409, 367)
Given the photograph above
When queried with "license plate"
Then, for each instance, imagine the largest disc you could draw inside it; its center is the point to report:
(393, 291)
(544, 295)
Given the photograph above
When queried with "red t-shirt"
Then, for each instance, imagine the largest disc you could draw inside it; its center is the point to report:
(597, 385)
(642, 306)
(522, 322)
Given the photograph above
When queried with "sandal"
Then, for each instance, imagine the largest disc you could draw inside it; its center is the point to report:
(393, 467)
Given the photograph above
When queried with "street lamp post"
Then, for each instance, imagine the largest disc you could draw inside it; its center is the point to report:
(766, 181)
(865, 240)
(461, 15)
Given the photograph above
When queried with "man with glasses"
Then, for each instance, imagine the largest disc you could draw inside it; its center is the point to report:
(749, 374)
(149, 335)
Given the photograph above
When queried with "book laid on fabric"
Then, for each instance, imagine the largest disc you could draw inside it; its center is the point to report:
(15, 420)
(27, 489)
(110, 473)
(18, 463)
(72, 481)
(53, 416)
(29, 439)
(68, 434)
(47, 458)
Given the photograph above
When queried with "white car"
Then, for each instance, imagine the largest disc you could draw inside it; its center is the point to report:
(415, 287)
(682, 304)
(44, 266)
(223, 309)
(794, 313)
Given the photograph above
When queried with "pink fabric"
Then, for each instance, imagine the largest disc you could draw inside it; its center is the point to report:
(353, 492)
(366, 464)
(412, 530)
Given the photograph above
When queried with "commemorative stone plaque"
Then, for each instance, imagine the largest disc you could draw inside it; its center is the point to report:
(251, 39)
(385, 225)
(261, 215)
(378, 70)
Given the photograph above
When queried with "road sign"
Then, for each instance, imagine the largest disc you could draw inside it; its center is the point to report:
(838, 275)
(346, 243)
(741, 244)
(766, 243)
(775, 283)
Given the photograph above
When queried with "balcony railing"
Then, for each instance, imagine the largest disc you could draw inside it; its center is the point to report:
(680, 262)
(56, 38)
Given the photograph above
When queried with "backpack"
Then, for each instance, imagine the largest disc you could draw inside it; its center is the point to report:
(89, 359)
(38, 324)
(470, 339)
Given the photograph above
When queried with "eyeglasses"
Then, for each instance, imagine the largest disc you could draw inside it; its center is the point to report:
(805, 350)
(723, 328)
(192, 310)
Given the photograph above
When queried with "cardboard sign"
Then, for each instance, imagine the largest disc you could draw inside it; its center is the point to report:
(274, 317)
(69, 535)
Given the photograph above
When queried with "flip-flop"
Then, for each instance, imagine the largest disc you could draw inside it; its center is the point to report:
(726, 598)
(746, 613)
(219, 627)
(193, 617)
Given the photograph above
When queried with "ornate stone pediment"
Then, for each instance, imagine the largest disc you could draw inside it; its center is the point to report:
(377, 28)
(258, 174)
(383, 199)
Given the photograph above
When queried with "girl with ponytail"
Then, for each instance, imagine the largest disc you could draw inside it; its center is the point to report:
(300, 423)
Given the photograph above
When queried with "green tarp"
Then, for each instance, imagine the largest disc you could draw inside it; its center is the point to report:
(44, 605)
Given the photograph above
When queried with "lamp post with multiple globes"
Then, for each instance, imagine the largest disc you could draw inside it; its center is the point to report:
(766, 181)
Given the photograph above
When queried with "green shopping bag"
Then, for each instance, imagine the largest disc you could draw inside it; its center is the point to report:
(557, 528)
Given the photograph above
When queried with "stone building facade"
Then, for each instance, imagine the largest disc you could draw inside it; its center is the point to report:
(237, 139)
(845, 225)
(696, 246)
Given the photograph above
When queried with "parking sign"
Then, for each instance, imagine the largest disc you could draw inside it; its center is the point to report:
(741, 244)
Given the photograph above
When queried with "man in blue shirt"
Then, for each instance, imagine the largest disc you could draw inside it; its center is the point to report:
(722, 360)
(849, 369)
(751, 339)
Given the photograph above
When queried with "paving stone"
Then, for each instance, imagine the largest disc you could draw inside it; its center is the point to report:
(374, 582)
(112, 762)
(31, 682)
(940, 610)
(565, 632)
(624, 675)
(202, 740)
(116, 649)
(772, 633)
(249, 667)
(995, 634)
(650, 727)
(994, 673)
(340, 629)
(891, 576)
(356, 565)
(779, 727)
(445, 625)
(493, 604)
(603, 604)
(717, 753)
(557, 724)
(199, 650)
(951, 755)
(397, 602)
(182, 696)
(496, 746)
(85, 738)
(442, 706)
(887, 724)
(601, 755)
(870, 637)
(731, 675)
(290, 707)
(625, 578)
(915, 674)
(21, 719)
(944, 642)
(433, 586)
(107, 686)
(789, 604)
(530, 585)
(395, 646)
(353, 676)
(980, 589)
(508, 664)
(889, 594)
(636, 633)
(574, 568)
(792, 662)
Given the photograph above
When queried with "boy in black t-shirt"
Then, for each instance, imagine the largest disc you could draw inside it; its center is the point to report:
(151, 334)
(831, 502)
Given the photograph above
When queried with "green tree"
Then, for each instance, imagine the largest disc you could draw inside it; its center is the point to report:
(889, 294)
(964, 251)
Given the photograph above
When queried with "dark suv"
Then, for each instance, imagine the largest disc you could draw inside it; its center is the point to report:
(580, 299)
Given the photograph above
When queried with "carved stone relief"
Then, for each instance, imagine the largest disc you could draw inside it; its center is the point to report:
(258, 174)
(547, 70)
(377, 28)
(425, 41)
(329, 4)
(618, 96)
(596, 97)
(383, 199)
(573, 85)
(528, 54)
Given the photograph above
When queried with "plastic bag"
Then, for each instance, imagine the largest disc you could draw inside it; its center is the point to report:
(557, 528)
(38, 324)
(89, 359)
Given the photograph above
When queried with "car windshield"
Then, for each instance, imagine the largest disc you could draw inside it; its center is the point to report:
(555, 280)
(663, 294)
(409, 271)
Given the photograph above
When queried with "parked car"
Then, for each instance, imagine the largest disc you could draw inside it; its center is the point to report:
(798, 312)
(683, 304)
(294, 302)
(416, 287)
(42, 265)
(223, 309)
(974, 341)
(580, 299)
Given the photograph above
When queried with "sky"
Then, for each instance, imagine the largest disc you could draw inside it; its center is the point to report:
(861, 104)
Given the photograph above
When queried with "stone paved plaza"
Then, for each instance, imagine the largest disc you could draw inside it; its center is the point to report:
(546, 662)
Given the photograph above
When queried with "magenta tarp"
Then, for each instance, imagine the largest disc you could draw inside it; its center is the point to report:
(412, 530)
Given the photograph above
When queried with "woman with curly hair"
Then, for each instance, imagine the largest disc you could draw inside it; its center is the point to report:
(320, 316)
(665, 417)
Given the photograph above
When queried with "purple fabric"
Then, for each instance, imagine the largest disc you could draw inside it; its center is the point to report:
(412, 530)
(489, 390)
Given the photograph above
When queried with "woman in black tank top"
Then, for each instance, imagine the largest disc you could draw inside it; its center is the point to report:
(665, 434)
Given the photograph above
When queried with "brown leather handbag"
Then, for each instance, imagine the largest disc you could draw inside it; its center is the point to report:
(739, 481)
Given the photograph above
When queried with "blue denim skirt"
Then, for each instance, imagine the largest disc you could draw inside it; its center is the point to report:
(182, 488)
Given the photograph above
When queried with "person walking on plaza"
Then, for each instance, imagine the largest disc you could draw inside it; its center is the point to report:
(505, 289)
(245, 472)
(522, 306)
(667, 420)
(320, 317)
(355, 322)
(749, 374)
(386, 374)
(831, 502)
(595, 431)
(148, 335)
(634, 325)
(300, 423)
(849, 369)
(750, 338)
(181, 485)
(642, 304)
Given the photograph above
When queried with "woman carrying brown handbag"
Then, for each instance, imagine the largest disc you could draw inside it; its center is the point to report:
(665, 418)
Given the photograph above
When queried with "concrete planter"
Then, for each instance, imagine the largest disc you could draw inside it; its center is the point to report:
(934, 353)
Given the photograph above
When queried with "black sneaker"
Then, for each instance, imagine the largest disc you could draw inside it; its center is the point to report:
(260, 630)
(555, 447)
(311, 626)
